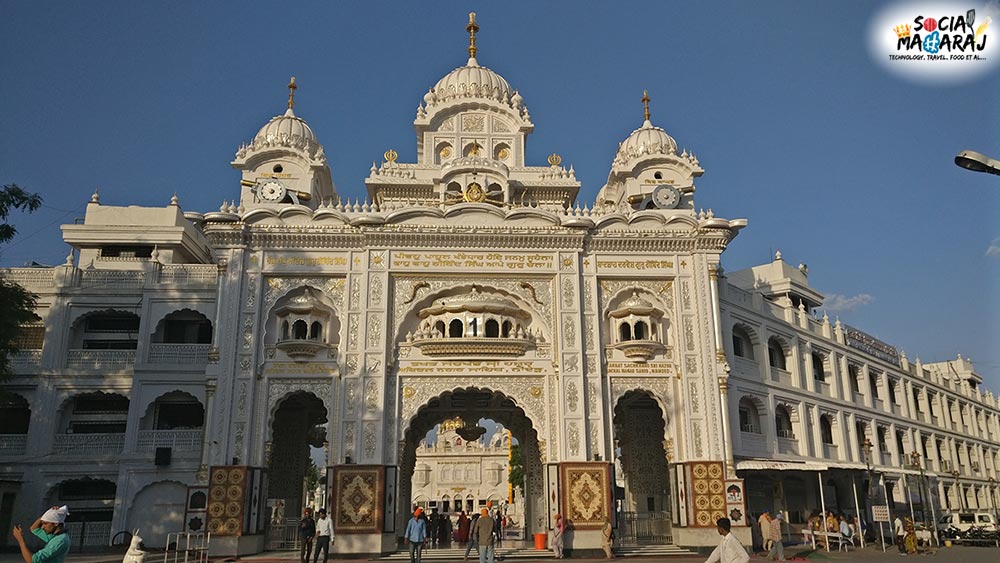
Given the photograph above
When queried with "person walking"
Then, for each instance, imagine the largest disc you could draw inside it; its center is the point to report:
(777, 551)
(557, 536)
(764, 522)
(463, 527)
(48, 541)
(484, 536)
(607, 538)
(416, 534)
(432, 526)
(730, 550)
(472, 540)
(307, 531)
(324, 536)
(900, 532)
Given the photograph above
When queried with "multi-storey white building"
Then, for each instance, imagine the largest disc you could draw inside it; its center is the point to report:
(178, 355)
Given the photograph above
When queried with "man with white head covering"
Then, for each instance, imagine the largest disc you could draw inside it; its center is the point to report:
(49, 528)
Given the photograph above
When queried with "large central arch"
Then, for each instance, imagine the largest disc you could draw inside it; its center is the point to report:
(473, 403)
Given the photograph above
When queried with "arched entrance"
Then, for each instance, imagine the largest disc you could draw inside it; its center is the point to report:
(470, 405)
(157, 510)
(297, 427)
(642, 491)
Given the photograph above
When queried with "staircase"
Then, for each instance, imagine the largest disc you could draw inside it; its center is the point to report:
(527, 552)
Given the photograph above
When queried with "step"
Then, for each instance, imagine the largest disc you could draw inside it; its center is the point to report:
(458, 553)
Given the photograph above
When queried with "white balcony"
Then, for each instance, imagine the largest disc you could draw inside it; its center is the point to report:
(754, 444)
(745, 368)
(25, 361)
(830, 451)
(178, 353)
(781, 376)
(180, 440)
(788, 446)
(101, 359)
(13, 444)
(188, 274)
(89, 444)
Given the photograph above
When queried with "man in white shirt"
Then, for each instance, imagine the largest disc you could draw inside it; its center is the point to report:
(324, 535)
(900, 533)
(730, 549)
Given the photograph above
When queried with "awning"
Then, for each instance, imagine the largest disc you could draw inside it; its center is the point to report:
(769, 465)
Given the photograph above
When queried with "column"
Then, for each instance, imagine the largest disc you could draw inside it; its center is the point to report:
(851, 451)
(817, 435)
(807, 372)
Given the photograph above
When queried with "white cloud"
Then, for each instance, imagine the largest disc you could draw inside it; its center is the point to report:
(835, 302)
(994, 248)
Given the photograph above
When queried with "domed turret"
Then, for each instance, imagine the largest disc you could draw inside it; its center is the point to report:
(645, 140)
(472, 81)
(286, 125)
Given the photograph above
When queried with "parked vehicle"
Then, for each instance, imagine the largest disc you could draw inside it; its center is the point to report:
(963, 521)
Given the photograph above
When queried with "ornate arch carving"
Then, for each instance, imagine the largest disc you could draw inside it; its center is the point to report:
(527, 393)
(280, 389)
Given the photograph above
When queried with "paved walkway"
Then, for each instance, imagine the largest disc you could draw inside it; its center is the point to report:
(871, 554)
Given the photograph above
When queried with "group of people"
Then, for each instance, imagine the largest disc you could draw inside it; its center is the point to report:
(318, 531)
(47, 541)
(847, 526)
(767, 536)
(481, 531)
(906, 535)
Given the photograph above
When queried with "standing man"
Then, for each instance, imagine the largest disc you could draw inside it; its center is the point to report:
(416, 533)
(484, 531)
(777, 551)
(48, 529)
(900, 532)
(764, 522)
(472, 539)
(307, 531)
(324, 535)
(730, 549)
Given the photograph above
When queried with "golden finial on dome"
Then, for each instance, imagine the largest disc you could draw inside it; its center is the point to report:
(472, 28)
(292, 87)
(645, 104)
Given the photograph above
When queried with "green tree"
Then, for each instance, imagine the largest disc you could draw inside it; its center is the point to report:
(516, 475)
(17, 304)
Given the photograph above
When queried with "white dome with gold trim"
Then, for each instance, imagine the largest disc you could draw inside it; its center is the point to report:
(470, 81)
(646, 140)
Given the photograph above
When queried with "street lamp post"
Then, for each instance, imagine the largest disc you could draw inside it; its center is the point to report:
(993, 502)
(918, 461)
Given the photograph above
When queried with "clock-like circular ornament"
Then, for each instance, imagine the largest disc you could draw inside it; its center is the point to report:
(272, 191)
(666, 196)
(474, 193)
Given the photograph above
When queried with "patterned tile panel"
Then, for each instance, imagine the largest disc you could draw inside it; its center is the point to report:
(358, 492)
(586, 494)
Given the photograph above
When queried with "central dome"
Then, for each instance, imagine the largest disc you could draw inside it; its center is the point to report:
(471, 81)
(643, 141)
(286, 126)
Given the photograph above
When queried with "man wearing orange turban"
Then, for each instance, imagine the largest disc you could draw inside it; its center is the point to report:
(416, 534)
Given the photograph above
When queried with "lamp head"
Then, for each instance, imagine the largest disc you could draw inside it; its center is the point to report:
(977, 162)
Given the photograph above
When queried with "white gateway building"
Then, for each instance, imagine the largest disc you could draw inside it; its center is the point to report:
(184, 362)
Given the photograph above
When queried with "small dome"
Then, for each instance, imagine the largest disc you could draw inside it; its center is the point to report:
(286, 126)
(644, 141)
(472, 81)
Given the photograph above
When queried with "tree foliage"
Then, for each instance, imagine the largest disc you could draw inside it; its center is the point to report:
(17, 304)
(516, 475)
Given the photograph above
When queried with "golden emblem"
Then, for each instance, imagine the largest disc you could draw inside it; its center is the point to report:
(503, 153)
(390, 156)
(445, 152)
(555, 159)
(474, 148)
(474, 193)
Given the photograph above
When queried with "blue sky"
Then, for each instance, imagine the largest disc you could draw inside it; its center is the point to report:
(834, 161)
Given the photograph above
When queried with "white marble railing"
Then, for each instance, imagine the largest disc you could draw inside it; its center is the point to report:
(184, 440)
(13, 444)
(30, 277)
(100, 359)
(112, 279)
(89, 444)
(187, 274)
(178, 353)
(25, 360)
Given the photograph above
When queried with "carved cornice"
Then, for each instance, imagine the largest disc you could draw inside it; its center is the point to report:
(471, 237)
(313, 238)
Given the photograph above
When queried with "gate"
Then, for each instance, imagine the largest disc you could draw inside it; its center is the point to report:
(644, 528)
(284, 535)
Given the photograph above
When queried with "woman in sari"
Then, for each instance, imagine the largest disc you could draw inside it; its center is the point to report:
(463, 527)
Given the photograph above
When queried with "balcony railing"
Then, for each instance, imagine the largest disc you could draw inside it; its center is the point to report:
(830, 451)
(89, 444)
(25, 361)
(182, 440)
(746, 367)
(13, 444)
(112, 279)
(100, 359)
(189, 274)
(781, 376)
(788, 446)
(179, 353)
(30, 277)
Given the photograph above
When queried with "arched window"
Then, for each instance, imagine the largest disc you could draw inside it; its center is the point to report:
(854, 374)
(775, 353)
(861, 430)
(284, 330)
(625, 332)
(783, 422)
(742, 345)
(505, 331)
(299, 330)
(749, 417)
(316, 331)
(455, 328)
(826, 429)
(641, 333)
(492, 328)
(439, 327)
(819, 373)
